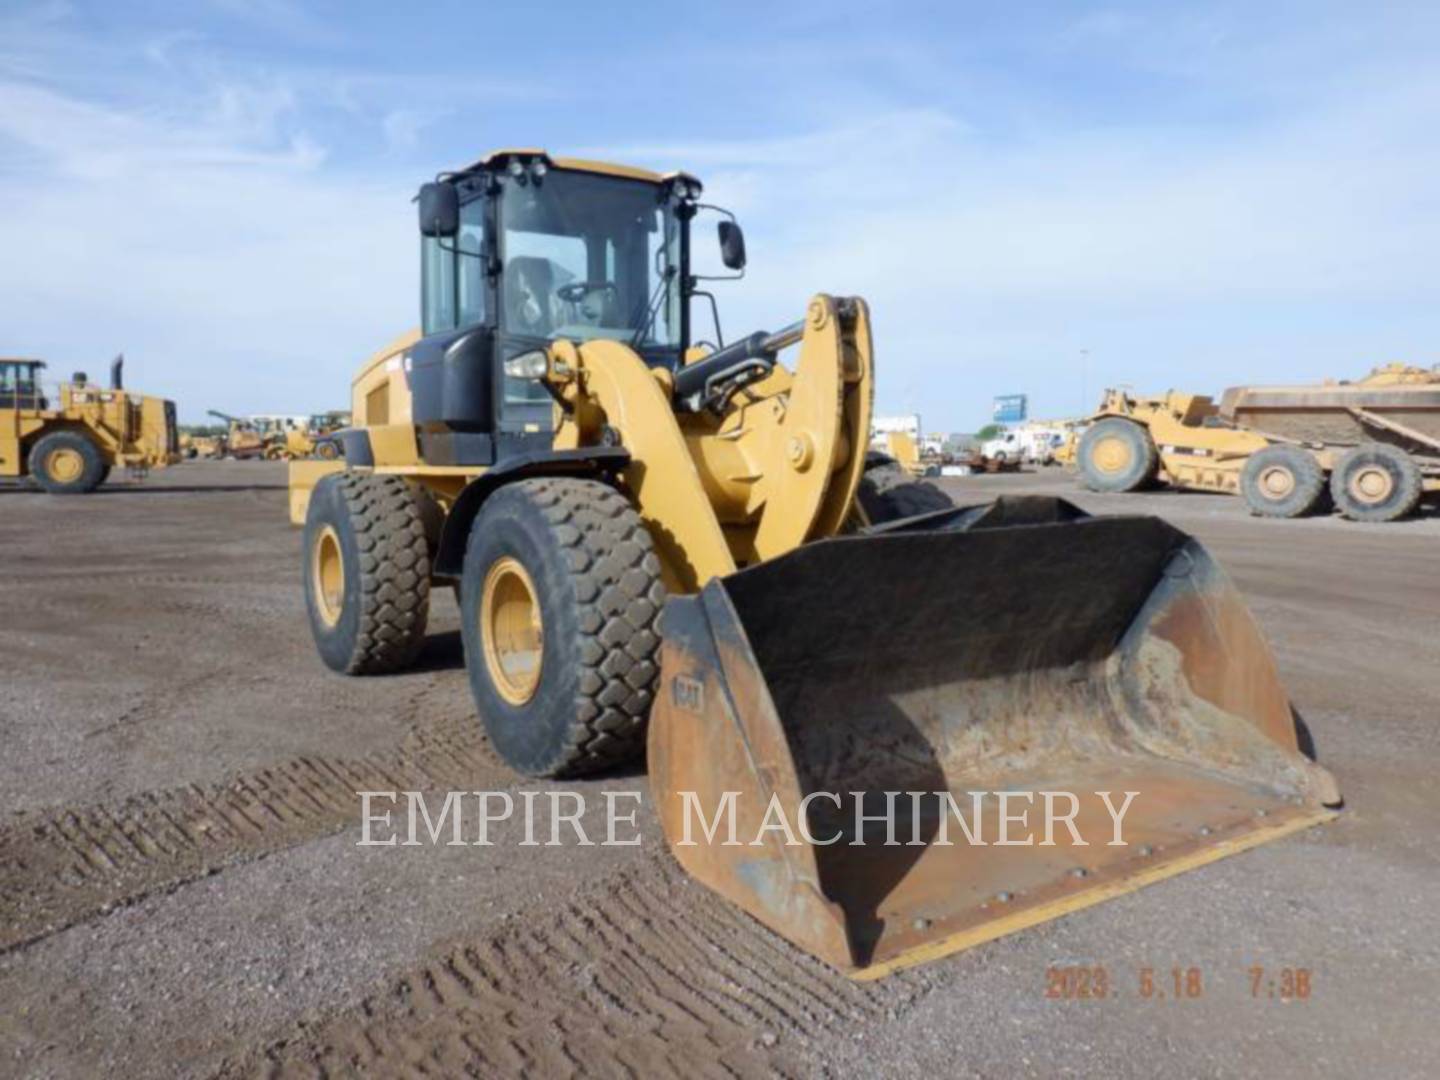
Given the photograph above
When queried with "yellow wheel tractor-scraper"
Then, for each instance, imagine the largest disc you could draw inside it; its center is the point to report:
(657, 541)
(1369, 448)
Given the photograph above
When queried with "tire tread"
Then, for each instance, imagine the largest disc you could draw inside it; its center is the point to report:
(887, 493)
(616, 577)
(1411, 484)
(394, 572)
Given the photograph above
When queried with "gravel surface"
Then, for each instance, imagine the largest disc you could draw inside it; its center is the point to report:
(183, 893)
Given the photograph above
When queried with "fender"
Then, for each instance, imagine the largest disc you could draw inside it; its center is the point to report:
(589, 461)
(354, 446)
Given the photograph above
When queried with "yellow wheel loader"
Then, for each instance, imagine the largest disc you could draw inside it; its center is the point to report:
(289, 441)
(320, 431)
(550, 442)
(1370, 448)
(70, 447)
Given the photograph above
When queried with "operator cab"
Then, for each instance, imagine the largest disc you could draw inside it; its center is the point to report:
(520, 250)
(20, 385)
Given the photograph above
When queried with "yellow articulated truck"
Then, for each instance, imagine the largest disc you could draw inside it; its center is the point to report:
(1369, 448)
(550, 443)
(69, 446)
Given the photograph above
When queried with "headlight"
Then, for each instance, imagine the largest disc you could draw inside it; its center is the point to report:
(538, 168)
(528, 365)
(516, 167)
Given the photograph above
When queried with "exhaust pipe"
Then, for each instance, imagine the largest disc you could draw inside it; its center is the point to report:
(116, 367)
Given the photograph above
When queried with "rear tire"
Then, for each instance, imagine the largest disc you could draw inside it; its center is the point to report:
(367, 573)
(560, 600)
(887, 492)
(1117, 456)
(1282, 482)
(1376, 482)
(67, 463)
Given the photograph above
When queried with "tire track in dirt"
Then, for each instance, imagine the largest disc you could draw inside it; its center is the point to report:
(644, 973)
(62, 866)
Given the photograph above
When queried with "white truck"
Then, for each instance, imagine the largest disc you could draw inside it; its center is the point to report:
(1033, 445)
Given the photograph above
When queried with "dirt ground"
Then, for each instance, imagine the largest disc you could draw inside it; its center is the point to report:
(181, 892)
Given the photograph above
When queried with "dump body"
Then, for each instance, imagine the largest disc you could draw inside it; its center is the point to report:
(1327, 414)
(1020, 649)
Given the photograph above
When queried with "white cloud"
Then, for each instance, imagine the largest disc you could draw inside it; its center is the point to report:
(210, 224)
(1178, 257)
(233, 271)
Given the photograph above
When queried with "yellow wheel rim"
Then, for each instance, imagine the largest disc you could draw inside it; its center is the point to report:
(1111, 454)
(327, 576)
(1371, 484)
(1277, 482)
(64, 465)
(512, 631)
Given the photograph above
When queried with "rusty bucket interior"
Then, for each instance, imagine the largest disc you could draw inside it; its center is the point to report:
(989, 655)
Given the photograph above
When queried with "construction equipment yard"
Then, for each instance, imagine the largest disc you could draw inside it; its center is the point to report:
(181, 890)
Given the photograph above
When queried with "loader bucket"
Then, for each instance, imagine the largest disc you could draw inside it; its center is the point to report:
(1019, 659)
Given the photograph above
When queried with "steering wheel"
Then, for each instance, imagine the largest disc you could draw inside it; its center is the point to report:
(572, 292)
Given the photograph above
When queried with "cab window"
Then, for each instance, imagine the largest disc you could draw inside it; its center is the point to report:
(452, 274)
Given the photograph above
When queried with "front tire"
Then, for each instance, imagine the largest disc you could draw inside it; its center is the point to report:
(1376, 482)
(1282, 482)
(367, 573)
(67, 463)
(560, 599)
(1117, 456)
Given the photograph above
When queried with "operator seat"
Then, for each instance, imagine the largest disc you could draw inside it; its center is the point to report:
(529, 292)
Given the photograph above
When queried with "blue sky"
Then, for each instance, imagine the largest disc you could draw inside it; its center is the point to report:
(1197, 195)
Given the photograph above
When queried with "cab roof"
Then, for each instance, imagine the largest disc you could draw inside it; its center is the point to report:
(604, 168)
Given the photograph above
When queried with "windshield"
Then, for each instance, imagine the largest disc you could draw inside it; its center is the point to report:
(588, 257)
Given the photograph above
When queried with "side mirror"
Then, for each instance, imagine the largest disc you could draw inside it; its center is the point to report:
(439, 209)
(732, 246)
